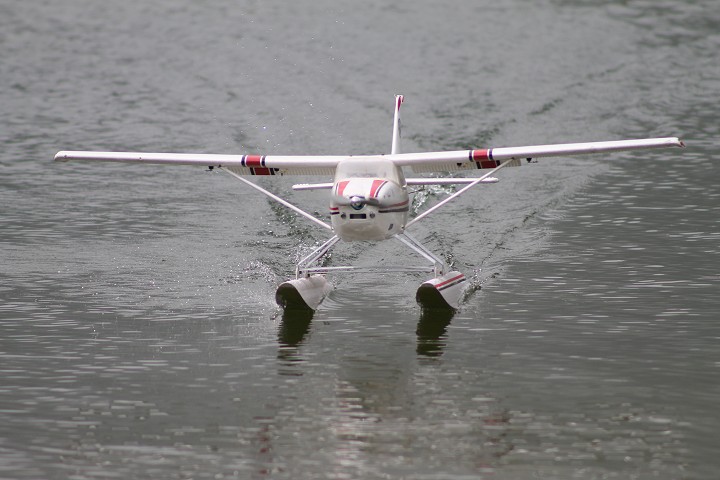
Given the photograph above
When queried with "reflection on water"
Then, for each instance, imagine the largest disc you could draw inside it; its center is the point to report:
(294, 325)
(432, 331)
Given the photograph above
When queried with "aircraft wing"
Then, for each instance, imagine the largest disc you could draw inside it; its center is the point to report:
(240, 164)
(326, 164)
(493, 157)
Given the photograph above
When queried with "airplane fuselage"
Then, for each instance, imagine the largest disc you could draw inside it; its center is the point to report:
(369, 200)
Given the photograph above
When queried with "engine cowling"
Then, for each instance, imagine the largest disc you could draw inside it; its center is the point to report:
(368, 208)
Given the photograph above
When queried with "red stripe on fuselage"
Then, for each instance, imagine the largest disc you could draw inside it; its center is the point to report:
(341, 187)
(376, 186)
(401, 204)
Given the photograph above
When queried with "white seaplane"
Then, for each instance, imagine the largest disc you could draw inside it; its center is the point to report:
(369, 200)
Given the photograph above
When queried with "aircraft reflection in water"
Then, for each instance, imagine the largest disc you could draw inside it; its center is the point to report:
(373, 395)
(431, 332)
(294, 325)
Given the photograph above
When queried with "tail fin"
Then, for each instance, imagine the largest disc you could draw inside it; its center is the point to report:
(397, 128)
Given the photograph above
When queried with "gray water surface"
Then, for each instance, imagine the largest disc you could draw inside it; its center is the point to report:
(139, 337)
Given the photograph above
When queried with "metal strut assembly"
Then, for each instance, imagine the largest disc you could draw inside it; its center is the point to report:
(305, 266)
(305, 269)
(439, 267)
(281, 201)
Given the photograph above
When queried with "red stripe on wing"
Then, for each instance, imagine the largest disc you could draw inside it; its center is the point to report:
(480, 155)
(483, 158)
(487, 164)
(253, 160)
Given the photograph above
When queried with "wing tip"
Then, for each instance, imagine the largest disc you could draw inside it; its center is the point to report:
(674, 142)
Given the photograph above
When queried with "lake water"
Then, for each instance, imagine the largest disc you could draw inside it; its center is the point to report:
(139, 337)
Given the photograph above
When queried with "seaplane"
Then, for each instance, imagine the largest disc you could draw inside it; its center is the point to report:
(369, 200)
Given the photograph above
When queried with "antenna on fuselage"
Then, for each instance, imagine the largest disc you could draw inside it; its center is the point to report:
(397, 128)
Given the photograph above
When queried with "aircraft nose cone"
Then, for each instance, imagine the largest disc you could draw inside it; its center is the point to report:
(357, 202)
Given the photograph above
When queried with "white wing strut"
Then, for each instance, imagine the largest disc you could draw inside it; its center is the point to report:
(279, 200)
(459, 192)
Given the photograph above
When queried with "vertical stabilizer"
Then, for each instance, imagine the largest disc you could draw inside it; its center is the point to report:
(397, 128)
